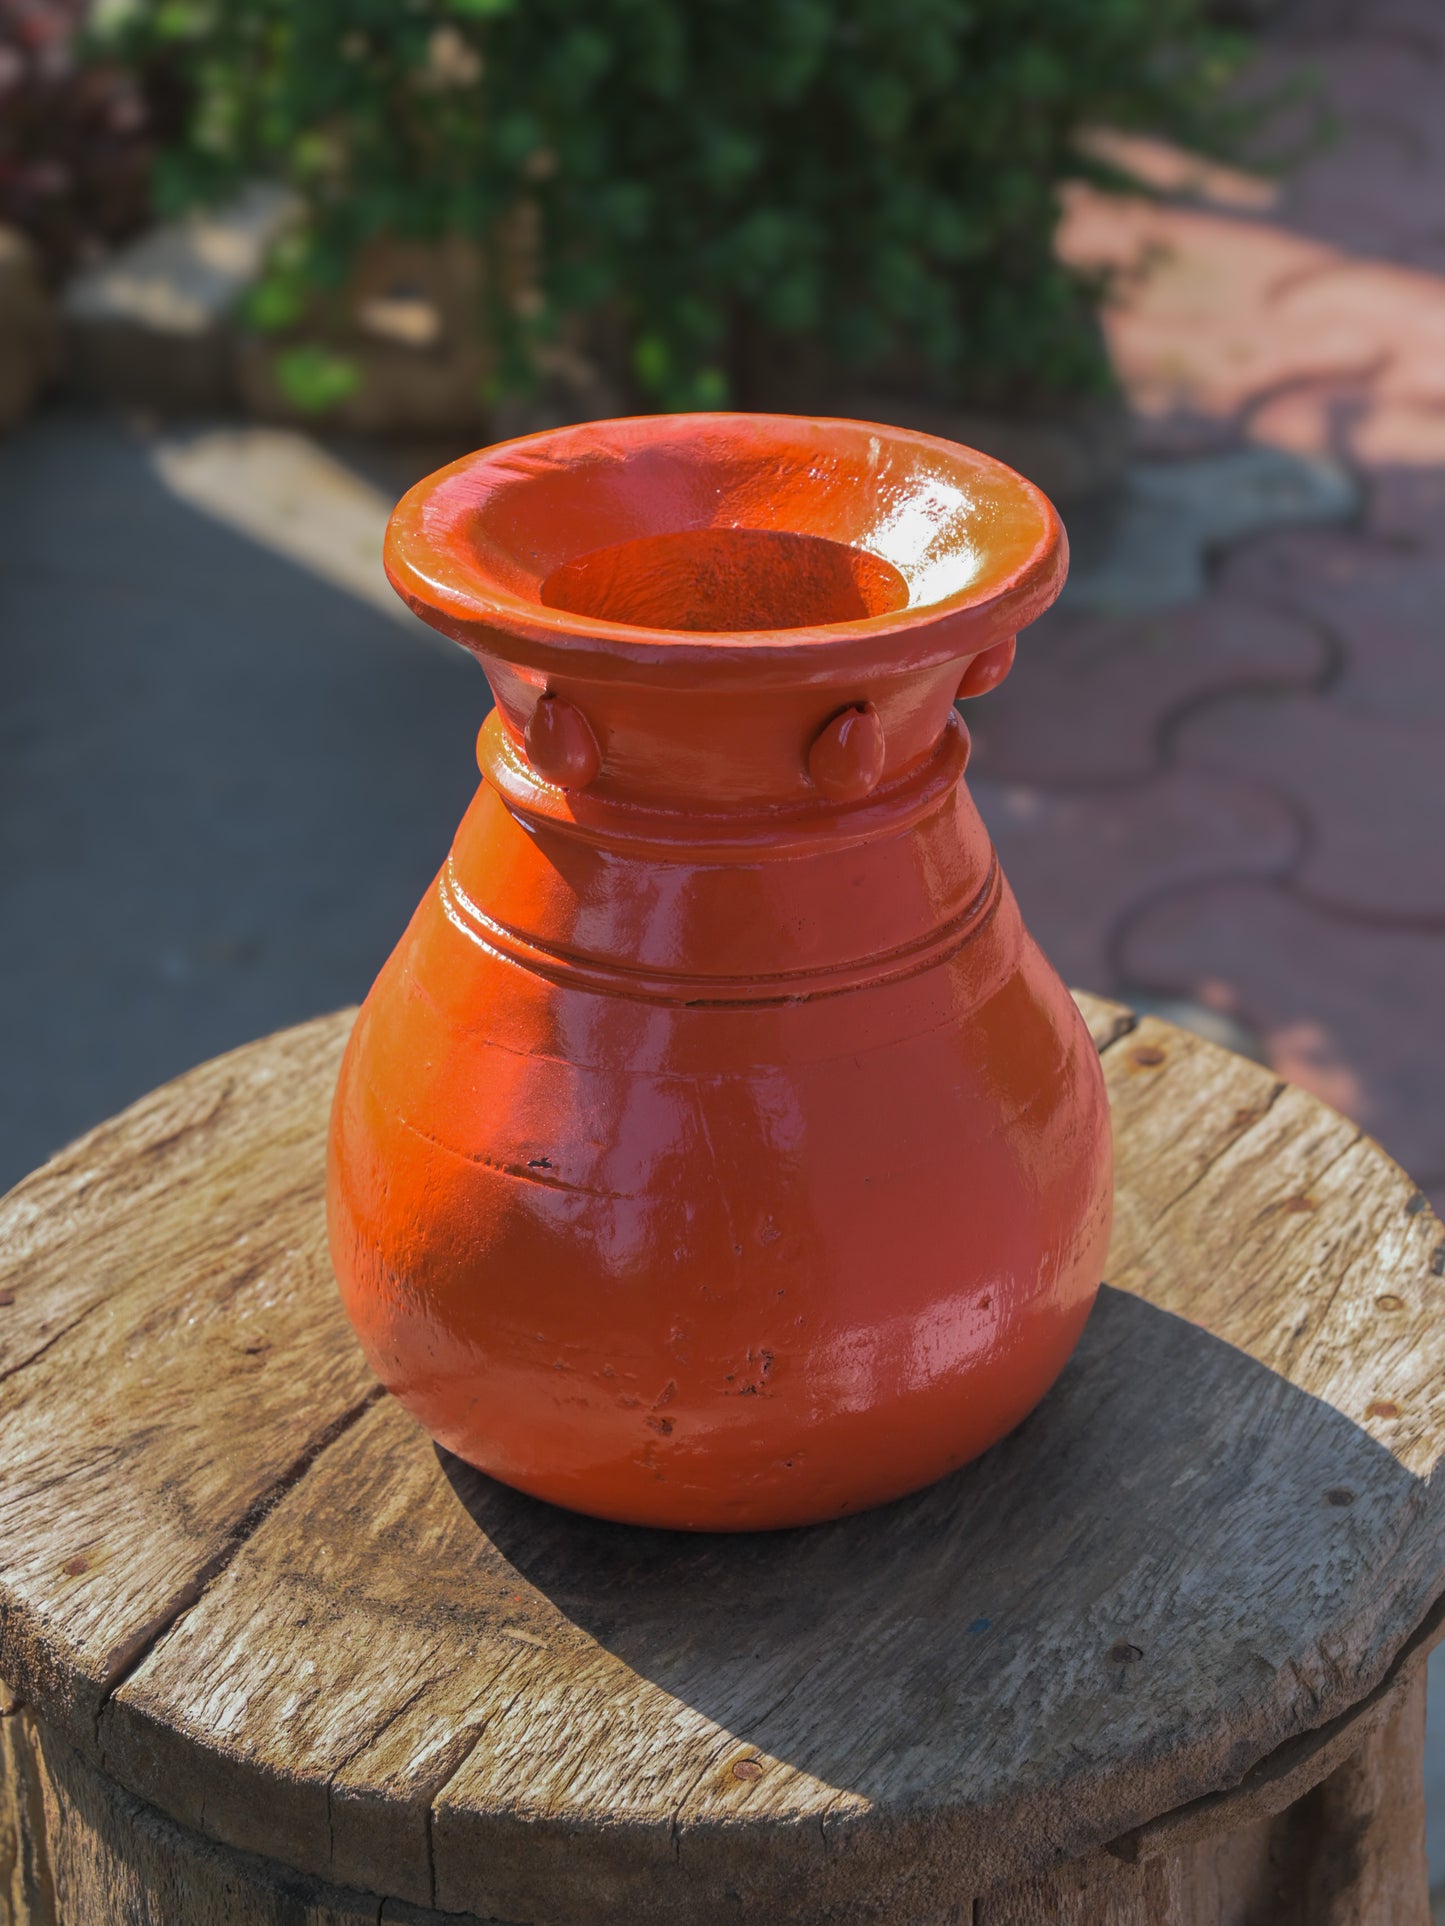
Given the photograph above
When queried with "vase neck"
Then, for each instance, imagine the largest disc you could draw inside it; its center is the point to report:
(692, 827)
(739, 748)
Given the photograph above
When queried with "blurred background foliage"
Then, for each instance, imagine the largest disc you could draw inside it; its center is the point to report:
(702, 193)
(75, 136)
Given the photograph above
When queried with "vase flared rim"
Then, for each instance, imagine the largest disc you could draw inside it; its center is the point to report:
(533, 548)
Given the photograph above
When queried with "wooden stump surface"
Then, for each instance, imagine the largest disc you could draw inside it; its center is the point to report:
(239, 1583)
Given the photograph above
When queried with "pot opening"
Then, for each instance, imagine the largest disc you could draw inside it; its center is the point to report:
(722, 580)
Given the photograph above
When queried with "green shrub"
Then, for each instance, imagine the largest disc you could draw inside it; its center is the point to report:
(719, 179)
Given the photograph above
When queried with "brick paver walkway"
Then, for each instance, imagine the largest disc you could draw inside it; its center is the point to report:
(1242, 802)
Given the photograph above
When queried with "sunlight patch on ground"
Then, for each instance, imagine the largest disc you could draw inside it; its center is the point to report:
(284, 491)
(1223, 318)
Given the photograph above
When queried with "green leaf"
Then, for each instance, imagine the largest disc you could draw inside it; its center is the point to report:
(652, 363)
(709, 389)
(315, 379)
(274, 303)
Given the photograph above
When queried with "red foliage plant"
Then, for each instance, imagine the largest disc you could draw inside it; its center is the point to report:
(75, 154)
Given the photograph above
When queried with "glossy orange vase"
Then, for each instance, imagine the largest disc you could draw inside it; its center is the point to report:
(717, 1149)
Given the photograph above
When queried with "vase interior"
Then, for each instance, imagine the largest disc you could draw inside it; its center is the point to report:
(726, 581)
(737, 524)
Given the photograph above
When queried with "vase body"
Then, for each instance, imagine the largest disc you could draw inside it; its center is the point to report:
(717, 1149)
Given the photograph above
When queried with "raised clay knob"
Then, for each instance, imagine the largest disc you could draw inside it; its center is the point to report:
(846, 759)
(986, 671)
(560, 744)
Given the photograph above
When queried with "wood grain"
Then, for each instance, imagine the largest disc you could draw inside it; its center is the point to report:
(95, 1856)
(166, 1373)
(1351, 1853)
(302, 1631)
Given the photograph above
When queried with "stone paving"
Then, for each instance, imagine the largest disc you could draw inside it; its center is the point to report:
(1240, 802)
(223, 782)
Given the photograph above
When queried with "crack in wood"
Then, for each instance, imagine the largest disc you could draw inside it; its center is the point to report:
(23, 1364)
(125, 1660)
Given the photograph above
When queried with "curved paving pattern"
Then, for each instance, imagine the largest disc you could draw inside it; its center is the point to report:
(1071, 855)
(1337, 1001)
(1250, 789)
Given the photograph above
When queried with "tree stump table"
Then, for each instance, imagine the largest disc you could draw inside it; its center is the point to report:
(1158, 1657)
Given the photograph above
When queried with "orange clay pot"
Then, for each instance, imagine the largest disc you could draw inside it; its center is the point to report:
(717, 1149)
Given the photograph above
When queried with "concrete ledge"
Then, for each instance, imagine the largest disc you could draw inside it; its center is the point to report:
(150, 324)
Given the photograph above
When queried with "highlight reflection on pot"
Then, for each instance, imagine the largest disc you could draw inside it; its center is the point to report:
(717, 1149)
